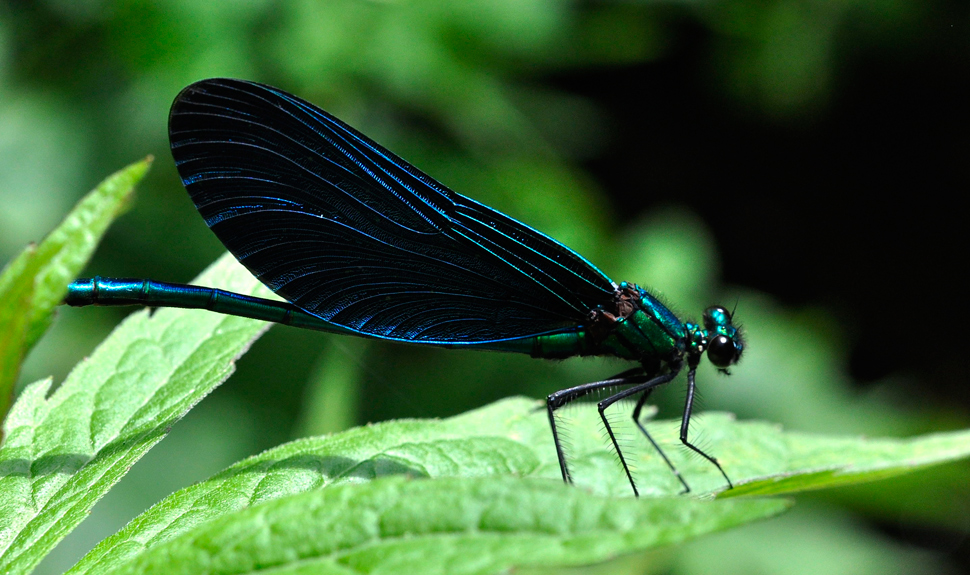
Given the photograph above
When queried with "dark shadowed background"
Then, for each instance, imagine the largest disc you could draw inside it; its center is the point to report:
(800, 159)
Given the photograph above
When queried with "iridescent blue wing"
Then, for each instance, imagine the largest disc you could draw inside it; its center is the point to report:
(351, 233)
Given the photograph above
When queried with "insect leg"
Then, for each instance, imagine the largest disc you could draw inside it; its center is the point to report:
(636, 419)
(644, 388)
(685, 424)
(564, 397)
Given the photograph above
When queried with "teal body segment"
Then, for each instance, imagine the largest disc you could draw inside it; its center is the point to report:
(663, 318)
(151, 293)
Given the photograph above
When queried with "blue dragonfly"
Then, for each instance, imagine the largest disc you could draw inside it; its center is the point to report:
(360, 242)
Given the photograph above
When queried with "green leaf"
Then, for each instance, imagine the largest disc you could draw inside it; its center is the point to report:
(62, 453)
(16, 295)
(812, 461)
(34, 282)
(470, 445)
(512, 438)
(480, 525)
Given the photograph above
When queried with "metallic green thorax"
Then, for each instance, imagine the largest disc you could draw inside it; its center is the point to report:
(638, 328)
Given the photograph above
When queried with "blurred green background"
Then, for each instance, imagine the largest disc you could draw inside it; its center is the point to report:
(796, 157)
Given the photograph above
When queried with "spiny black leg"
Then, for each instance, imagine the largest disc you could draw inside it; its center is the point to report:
(616, 446)
(555, 439)
(636, 419)
(566, 396)
(606, 403)
(685, 423)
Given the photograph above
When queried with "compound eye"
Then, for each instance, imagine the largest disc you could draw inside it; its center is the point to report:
(722, 352)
